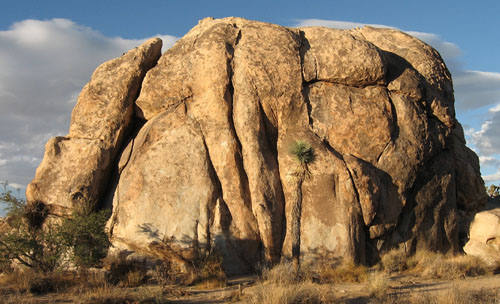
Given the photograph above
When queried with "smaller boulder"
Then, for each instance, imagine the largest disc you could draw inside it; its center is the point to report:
(484, 236)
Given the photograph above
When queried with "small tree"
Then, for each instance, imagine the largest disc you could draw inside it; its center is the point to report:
(493, 191)
(303, 154)
(23, 240)
(27, 240)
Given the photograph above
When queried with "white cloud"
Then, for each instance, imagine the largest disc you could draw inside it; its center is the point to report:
(495, 109)
(489, 161)
(487, 138)
(474, 89)
(335, 24)
(492, 178)
(448, 50)
(43, 66)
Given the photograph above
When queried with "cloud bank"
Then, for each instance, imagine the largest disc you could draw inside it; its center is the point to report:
(43, 66)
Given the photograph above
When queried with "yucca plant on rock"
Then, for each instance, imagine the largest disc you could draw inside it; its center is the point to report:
(304, 155)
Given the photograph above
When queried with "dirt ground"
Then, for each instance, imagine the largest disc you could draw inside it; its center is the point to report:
(240, 290)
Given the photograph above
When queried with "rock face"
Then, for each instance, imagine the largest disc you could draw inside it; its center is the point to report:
(484, 239)
(209, 164)
(76, 168)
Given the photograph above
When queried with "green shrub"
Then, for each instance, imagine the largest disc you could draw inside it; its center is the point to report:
(86, 236)
(46, 246)
(40, 249)
(302, 151)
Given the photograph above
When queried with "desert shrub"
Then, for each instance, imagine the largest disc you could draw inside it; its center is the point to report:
(125, 272)
(493, 191)
(303, 292)
(395, 260)
(41, 250)
(378, 286)
(86, 235)
(281, 274)
(435, 265)
(35, 282)
(162, 273)
(47, 246)
(23, 241)
(209, 271)
(454, 267)
(342, 272)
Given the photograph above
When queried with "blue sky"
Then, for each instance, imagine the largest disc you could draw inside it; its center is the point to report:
(48, 50)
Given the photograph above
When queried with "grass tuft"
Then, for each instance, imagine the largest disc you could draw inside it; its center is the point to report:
(343, 272)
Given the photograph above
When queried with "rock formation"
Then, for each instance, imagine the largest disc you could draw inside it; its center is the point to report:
(200, 158)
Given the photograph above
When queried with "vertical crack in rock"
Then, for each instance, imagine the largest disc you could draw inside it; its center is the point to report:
(357, 229)
(251, 125)
(395, 128)
(115, 188)
(218, 195)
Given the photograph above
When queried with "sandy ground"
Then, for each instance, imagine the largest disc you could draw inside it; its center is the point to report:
(401, 285)
(240, 289)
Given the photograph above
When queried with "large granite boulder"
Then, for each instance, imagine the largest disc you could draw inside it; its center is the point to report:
(208, 164)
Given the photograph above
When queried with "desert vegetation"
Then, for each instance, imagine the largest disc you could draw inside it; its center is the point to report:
(338, 282)
(65, 260)
(304, 155)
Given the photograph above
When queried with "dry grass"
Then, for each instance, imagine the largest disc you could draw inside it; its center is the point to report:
(378, 285)
(209, 273)
(434, 265)
(301, 292)
(280, 285)
(125, 272)
(457, 296)
(438, 266)
(454, 295)
(106, 294)
(341, 273)
(36, 282)
(126, 283)
(17, 281)
(395, 260)
(281, 274)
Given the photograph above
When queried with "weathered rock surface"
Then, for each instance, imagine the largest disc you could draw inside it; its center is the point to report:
(484, 237)
(76, 168)
(211, 166)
